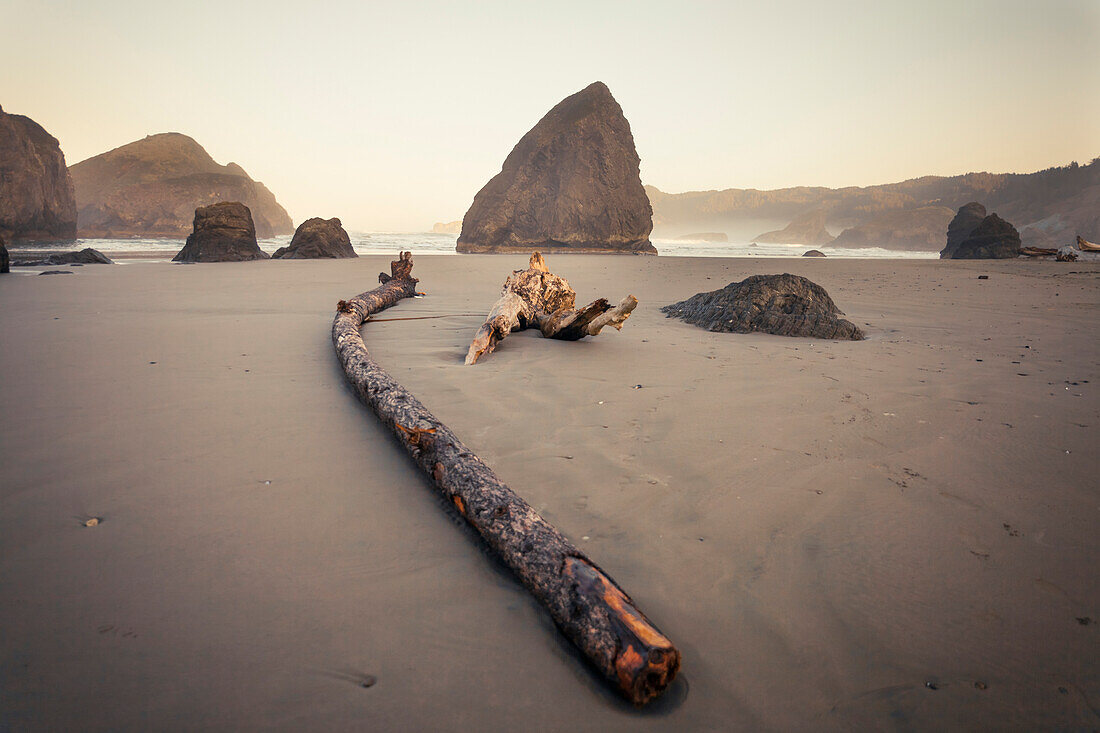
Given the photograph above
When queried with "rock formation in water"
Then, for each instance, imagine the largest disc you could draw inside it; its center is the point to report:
(806, 228)
(965, 221)
(450, 227)
(86, 256)
(906, 229)
(4, 264)
(571, 184)
(994, 238)
(223, 232)
(813, 253)
(151, 188)
(317, 239)
(36, 192)
(704, 237)
(785, 305)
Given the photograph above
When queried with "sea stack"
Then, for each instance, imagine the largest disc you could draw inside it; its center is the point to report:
(993, 239)
(966, 220)
(223, 232)
(784, 305)
(571, 184)
(36, 192)
(151, 187)
(317, 239)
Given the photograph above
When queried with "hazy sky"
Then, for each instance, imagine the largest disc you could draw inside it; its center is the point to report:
(392, 115)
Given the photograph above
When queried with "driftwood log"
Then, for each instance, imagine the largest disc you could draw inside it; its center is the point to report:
(536, 297)
(585, 603)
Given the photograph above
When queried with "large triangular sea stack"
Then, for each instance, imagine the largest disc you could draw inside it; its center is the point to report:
(36, 192)
(571, 184)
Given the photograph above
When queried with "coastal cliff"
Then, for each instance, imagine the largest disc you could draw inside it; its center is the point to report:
(36, 192)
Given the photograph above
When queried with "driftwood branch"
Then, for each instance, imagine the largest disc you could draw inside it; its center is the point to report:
(586, 604)
(536, 297)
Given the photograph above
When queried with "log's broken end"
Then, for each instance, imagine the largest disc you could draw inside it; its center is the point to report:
(644, 661)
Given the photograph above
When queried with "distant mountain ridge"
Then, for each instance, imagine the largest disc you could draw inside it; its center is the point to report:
(151, 188)
(1047, 206)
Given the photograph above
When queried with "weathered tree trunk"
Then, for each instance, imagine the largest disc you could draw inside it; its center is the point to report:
(537, 297)
(586, 604)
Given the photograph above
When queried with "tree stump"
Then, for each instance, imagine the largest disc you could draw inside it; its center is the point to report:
(536, 297)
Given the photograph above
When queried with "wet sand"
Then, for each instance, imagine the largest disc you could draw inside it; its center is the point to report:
(899, 533)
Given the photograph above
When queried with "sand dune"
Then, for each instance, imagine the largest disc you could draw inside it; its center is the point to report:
(895, 533)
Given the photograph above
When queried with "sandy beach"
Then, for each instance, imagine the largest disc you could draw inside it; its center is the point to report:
(898, 534)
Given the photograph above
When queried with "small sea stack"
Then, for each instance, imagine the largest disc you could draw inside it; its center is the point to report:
(813, 253)
(992, 239)
(784, 305)
(966, 220)
(222, 232)
(317, 239)
(571, 184)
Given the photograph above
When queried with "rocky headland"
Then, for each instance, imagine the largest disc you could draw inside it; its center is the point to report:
(1051, 205)
(905, 229)
(449, 227)
(150, 188)
(806, 228)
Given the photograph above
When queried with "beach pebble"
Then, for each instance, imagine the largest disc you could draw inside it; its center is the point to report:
(369, 681)
(94, 521)
(983, 277)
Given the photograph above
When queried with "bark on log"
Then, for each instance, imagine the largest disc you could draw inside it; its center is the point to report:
(537, 297)
(585, 603)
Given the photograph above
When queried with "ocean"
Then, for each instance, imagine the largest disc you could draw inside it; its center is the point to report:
(386, 243)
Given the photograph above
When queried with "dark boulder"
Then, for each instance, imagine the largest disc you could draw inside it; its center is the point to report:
(994, 239)
(813, 253)
(317, 239)
(3, 257)
(223, 232)
(86, 256)
(785, 305)
(966, 220)
(571, 184)
(36, 192)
